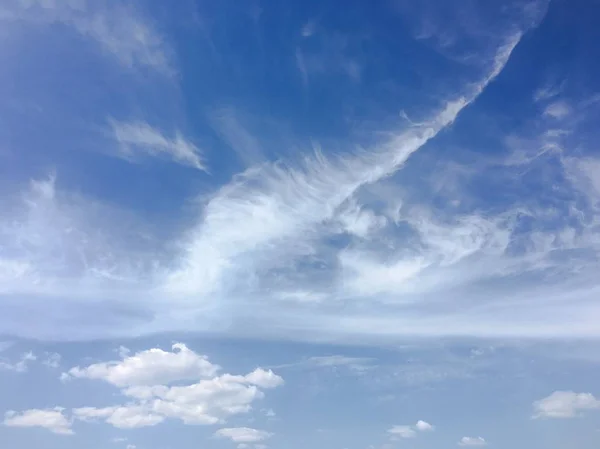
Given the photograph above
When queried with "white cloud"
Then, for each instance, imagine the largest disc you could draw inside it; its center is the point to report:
(121, 31)
(243, 434)
(558, 110)
(423, 426)
(360, 222)
(410, 431)
(139, 137)
(131, 446)
(151, 367)
(402, 432)
(472, 441)
(122, 417)
(51, 419)
(52, 359)
(564, 404)
(278, 204)
(264, 379)
(20, 366)
(144, 378)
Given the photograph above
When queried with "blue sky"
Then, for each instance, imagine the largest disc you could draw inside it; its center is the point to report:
(331, 224)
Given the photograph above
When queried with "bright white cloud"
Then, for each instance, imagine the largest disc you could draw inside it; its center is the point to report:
(151, 367)
(145, 377)
(564, 404)
(243, 434)
(410, 431)
(51, 419)
(139, 137)
(423, 426)
(472, 441)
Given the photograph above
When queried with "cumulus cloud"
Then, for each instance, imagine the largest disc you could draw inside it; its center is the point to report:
(243, 434)
(51, 419)
(472, 441)
(139, 137)
(151, 367)
(565, 404)
(145, 377)
(410, 431)
(144, 380)
(424, 426)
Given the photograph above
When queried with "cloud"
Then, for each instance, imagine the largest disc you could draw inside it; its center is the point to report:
(278, 204)
(410, 431)
(21, 366)
(424, 426)
(243, 434)
(144, 379)
(139, 137)
(51, 419)
(357, 364)
(52, 359)
(564, 404)
(472, 441)
(121, 31)
(402, 432)
(227, 123)
(151, 367)
(122, 417)
(557, 110)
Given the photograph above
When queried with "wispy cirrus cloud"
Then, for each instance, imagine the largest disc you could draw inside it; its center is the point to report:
(138, 137)
(121, 31)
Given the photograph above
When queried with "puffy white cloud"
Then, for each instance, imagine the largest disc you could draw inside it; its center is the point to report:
(145, 377)
(402, 432)
(472, 441)
(423, 426)
(264, 379)
(243, 434)
(139, 137)
(151, 367)
(564, 404)
(51, 419)
(410, 431)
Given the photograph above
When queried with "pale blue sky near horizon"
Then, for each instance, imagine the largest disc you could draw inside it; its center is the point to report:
(352, 225)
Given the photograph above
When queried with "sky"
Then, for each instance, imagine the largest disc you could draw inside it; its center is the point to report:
(276, 224)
